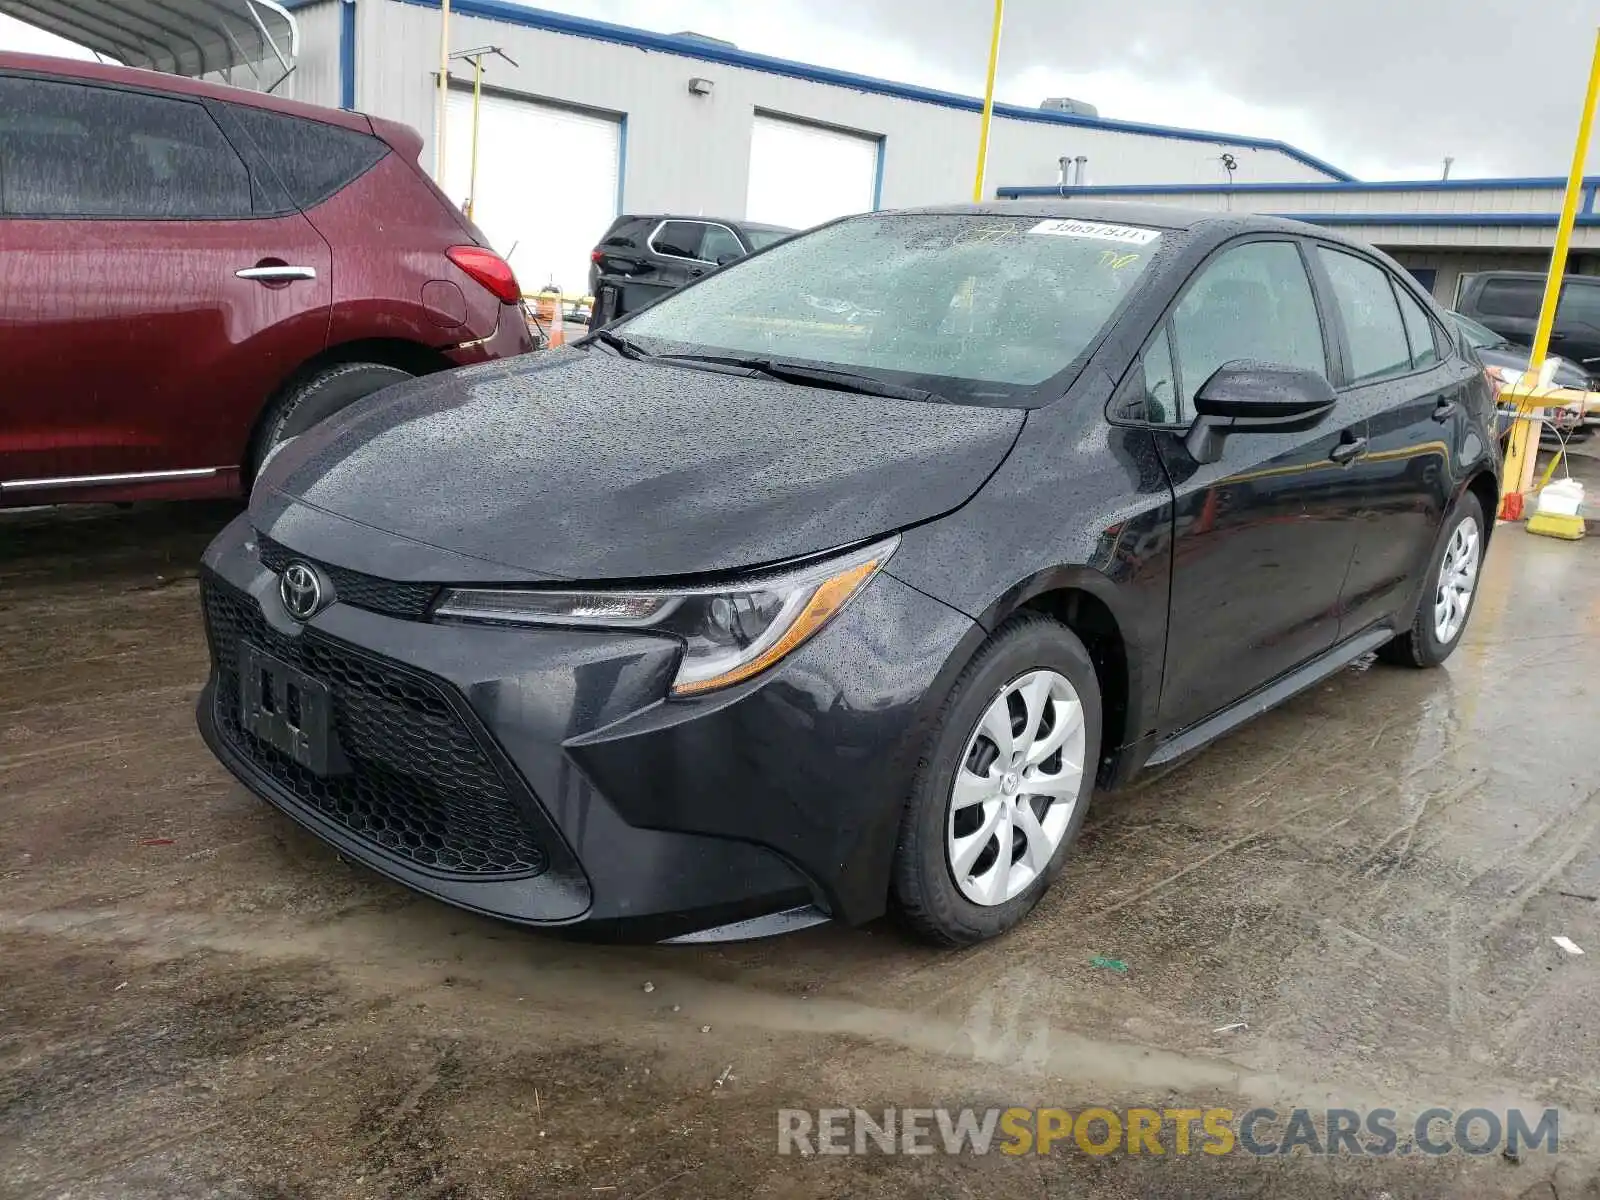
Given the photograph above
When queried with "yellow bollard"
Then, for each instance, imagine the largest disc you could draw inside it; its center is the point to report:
(1518, 472)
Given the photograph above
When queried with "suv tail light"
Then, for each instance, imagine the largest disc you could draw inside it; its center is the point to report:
(489, 269)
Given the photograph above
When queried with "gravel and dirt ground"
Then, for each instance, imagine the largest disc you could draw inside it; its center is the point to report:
(199, 1000)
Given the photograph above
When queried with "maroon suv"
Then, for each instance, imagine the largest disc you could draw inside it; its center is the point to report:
(191, 274)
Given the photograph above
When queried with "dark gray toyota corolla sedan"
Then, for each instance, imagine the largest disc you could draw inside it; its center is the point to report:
(839, 579)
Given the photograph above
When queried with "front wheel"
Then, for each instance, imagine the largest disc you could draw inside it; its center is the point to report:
(1448, 592)
(1002, 787)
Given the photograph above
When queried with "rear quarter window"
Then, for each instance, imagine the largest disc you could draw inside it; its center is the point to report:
(311, 159)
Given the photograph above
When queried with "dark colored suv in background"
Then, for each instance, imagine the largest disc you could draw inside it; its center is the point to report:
(642, 258)
(1508, 303)
(191, 274)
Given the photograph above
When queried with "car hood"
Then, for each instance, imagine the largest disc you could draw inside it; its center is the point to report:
(577, 464)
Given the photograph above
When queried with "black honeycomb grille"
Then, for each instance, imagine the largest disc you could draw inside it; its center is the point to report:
(421, 786)
(408, 600)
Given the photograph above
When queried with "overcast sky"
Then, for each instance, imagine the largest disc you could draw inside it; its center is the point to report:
(1383, 88)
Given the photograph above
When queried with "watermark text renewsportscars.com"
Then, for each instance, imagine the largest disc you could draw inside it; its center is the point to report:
(1262, 1132)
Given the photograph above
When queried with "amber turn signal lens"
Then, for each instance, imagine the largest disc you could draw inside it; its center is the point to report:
(825, 601)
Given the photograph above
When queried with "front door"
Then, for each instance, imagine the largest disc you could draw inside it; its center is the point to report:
(146, 309)
(1262, 537)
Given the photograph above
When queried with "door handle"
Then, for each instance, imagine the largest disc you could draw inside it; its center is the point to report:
(1348, 450)
(281, 274)
(1444, 410)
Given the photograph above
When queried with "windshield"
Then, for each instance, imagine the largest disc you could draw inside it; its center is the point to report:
(979, 309)
(762, 236)
(1479, 337)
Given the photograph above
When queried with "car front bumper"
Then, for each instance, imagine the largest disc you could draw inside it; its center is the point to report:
(542, 776)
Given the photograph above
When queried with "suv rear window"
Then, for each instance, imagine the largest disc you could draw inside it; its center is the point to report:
(311, 159)
(1511, 298)
(628, 233)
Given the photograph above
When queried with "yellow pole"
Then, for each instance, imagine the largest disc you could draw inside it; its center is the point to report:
(477, 95)
(988, 102)
(444, 90)
(1519, 457)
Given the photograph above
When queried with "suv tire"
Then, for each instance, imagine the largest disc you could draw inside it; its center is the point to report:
(317, 397)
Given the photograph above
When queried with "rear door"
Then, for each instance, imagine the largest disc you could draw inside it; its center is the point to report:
(1577, 330)
(150, 296)
(1263, 536)
(1399, 377)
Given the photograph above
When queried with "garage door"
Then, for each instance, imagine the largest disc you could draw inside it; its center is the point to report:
(801, 174)
(547, 183)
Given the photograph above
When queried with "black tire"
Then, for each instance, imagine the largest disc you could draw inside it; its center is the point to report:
(924, 888)
(1420, 646)
(317, 397)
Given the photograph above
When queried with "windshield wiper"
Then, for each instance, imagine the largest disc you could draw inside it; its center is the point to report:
(828, 377)
(620, 344)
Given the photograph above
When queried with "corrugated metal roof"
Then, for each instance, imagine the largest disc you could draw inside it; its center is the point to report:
(180, 37)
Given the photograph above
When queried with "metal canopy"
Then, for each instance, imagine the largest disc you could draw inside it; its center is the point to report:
(181, 37)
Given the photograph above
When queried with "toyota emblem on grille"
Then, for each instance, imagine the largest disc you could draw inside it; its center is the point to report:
(300, 590)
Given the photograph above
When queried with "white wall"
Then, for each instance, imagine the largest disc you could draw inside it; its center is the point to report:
(690, 154)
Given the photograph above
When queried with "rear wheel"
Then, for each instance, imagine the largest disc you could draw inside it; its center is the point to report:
(317, 397)
(1002, 786)
(1448, 592)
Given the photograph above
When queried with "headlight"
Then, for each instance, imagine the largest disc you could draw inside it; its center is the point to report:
(729, 632)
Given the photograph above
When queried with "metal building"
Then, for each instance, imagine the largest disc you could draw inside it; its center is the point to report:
(595, 119)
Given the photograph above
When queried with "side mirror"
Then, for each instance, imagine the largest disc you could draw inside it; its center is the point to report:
(1246, 396)
(724, 259)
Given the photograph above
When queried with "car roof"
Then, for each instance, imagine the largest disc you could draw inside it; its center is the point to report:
(1539, 275)
(703, 218)
(1213, 226)
(175, 85)
(1159, 216)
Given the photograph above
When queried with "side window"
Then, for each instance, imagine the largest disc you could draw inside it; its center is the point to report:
(311, 159)
(681, 239)
(1580, 305)
(719, 242)
(70, 150)
(1511, 298)
(1253, 301)
(1372, 321)
(1419, 330)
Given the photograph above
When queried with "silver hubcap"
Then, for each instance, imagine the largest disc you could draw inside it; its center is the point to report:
(1458, 575)
(1016, 787)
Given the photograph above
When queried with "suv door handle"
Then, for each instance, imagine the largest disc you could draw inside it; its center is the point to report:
(1348, 450)
(1444, 410)
(281, 274)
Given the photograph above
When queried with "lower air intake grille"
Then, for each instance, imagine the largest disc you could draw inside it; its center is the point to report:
(421, 785)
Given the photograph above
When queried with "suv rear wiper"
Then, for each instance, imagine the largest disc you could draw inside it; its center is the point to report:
(624, 347)
(829, 377)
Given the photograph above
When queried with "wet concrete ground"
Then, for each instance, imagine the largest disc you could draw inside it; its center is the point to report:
(196, 999)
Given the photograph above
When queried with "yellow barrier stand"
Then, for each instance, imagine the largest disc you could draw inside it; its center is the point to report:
(1520, 454)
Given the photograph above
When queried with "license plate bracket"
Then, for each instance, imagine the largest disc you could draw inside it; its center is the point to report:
(289, 710)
